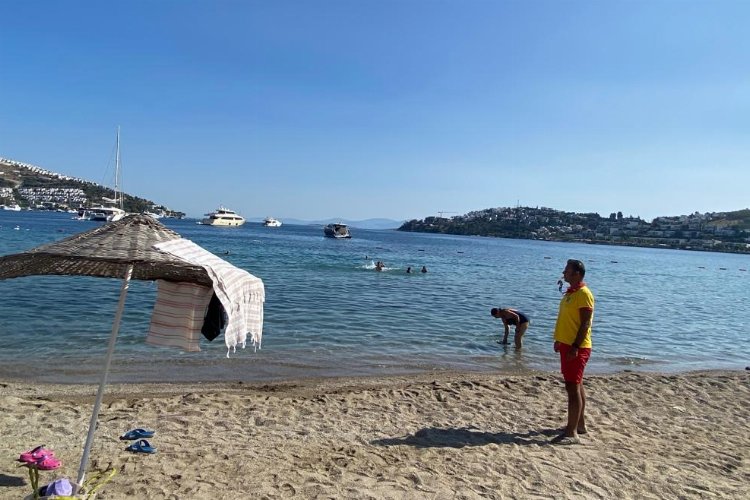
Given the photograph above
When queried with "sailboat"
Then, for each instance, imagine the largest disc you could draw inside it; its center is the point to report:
(111, 213)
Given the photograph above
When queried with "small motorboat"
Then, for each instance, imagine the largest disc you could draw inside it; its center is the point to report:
(337, 231)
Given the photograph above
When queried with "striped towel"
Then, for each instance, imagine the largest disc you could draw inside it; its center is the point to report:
(241, 293)
(178, 315)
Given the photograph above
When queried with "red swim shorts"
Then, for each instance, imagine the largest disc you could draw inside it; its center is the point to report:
(573, 370)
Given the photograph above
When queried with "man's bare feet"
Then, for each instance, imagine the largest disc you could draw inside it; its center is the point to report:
(567, 440)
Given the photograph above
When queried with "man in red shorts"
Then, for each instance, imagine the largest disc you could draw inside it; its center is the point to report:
(573, 342)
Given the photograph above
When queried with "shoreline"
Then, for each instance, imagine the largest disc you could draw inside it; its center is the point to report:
(250, 372)
(120, 390)
(431, 435)
(217, 372)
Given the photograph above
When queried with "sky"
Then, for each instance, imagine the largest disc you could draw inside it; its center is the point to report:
(318, 109)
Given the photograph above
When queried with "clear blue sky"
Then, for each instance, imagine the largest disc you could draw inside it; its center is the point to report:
(396, 109)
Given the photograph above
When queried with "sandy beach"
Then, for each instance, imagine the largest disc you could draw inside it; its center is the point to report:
(441, 435)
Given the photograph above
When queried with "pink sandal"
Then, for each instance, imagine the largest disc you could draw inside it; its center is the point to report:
(47, 463)
(33, 456)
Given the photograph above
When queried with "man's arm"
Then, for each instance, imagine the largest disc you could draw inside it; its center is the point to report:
(584, 314)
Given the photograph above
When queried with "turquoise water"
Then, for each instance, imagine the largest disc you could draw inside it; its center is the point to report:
(329, 313)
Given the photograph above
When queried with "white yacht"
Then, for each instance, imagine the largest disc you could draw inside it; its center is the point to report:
(222, 216)
(14, 207)
(271, 222)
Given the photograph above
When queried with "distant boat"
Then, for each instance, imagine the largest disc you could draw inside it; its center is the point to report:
(15, 207)
(83, 214)
(222, 216)
(105, 214)
(337, 231)
(115, 211)
(271, 222)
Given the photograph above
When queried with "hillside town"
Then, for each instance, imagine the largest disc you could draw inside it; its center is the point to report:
(719, 231)
(26, 186)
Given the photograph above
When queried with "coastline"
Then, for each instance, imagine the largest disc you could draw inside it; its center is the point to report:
(587, 241)
(430, 435)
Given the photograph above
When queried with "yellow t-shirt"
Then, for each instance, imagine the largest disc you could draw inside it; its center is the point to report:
(569, 319)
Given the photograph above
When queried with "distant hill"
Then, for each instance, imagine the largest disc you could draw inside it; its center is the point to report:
(715, 231)
(35, 187)
(739, 219)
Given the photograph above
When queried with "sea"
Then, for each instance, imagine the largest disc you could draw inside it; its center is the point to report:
(329, 313)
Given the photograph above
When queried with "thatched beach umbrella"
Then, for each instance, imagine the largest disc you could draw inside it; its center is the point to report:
(107, 251)
(122, 249)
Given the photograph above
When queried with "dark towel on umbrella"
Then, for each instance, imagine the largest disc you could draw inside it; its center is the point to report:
(215, 319)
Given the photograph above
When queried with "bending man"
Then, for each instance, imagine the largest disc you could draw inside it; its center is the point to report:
(515, 318)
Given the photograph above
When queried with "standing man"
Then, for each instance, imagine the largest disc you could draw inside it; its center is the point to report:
(573, 342)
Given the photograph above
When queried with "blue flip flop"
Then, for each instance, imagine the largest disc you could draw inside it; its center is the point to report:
(137, 434)
(141, 446)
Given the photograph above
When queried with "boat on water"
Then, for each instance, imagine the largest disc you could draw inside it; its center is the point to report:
(114, 211)
(222, 216)
(14, 207)
(271, 222)
(102, 213)
(337, 231)
(82, 214)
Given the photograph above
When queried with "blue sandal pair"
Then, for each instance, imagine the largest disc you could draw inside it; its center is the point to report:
(141, 445)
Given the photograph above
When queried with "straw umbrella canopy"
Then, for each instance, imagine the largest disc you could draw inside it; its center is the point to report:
(121, 249)
(107, 251)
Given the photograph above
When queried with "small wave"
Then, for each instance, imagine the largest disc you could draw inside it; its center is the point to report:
(632, 361)
(371, 267)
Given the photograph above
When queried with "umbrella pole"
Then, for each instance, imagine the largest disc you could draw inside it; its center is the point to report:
(103, 382)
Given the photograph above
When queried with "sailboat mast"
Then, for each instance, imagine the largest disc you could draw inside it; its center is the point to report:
(118, 201)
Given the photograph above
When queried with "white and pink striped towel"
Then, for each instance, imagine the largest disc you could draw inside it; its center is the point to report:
(241, 293)
(178, 315)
